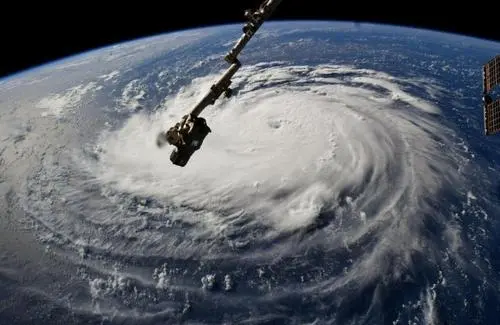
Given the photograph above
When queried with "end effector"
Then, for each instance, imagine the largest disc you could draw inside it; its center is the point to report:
(187, 136)
(177, 134)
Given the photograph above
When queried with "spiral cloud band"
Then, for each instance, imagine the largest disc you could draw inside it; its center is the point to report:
(294, 143)
(303, 160)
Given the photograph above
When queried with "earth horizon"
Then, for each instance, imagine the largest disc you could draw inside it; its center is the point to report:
(347, 181)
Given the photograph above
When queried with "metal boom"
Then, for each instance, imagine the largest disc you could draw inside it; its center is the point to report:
(188, 135)
(255, 20)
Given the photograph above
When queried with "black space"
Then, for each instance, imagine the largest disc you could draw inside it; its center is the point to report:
(38, 33)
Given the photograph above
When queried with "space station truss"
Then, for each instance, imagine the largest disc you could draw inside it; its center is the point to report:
(491, 71)
(492, 117)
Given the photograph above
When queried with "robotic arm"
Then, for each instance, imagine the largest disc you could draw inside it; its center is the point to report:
(188, 140)
(254, 21)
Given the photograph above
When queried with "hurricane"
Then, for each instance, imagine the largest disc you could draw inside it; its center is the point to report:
(325, 194)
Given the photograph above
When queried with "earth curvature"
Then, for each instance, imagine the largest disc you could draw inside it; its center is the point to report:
(346, 181)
